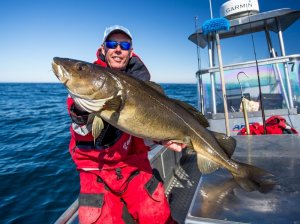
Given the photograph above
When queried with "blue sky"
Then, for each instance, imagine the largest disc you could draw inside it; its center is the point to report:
(32, 32)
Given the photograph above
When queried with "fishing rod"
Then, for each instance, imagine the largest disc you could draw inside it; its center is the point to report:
(258, 79)
(200, 81)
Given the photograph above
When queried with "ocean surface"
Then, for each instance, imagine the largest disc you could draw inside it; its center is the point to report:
(38, 180)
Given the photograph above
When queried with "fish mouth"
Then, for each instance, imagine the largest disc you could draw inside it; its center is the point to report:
(61, 73)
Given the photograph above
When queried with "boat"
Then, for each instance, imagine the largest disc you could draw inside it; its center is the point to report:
(215, 198)
(279, 74)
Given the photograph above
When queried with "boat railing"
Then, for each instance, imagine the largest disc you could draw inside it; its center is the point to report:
(247, 64)
(279, 77)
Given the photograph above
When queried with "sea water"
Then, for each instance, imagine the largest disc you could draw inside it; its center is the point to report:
(38, 180)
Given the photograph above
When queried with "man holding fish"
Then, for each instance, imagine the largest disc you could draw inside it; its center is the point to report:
(116, 109)
(116, 178)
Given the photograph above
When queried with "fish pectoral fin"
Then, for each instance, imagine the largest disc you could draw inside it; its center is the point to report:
(206, 166)
(227, 143)
(114, 116)
(97, 127)
(113, 104)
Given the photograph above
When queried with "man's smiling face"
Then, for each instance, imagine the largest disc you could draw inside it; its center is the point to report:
(117, 58)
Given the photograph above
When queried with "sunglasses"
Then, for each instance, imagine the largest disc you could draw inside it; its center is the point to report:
(113, 45)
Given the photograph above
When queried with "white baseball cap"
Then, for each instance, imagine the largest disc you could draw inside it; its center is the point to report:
(114, 28)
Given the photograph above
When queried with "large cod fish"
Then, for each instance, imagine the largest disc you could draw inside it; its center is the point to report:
(142, 109)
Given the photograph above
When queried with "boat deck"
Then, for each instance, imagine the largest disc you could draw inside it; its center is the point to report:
(218, 199)
(181, 190)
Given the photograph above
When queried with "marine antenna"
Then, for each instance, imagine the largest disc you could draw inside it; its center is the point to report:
(210, 8)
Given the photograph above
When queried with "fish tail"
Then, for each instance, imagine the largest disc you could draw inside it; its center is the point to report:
(252, 178)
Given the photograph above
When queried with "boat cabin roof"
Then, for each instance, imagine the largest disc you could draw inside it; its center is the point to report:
(251, 24)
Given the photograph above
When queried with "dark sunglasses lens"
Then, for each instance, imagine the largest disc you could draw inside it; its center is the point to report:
(125, 45)
(114, 44)
(111, 44)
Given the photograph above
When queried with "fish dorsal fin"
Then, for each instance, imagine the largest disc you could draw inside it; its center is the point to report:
(200, 117)
(97, 127)
(227, 143)
(155, 86)
(206, 166)
(113, 104)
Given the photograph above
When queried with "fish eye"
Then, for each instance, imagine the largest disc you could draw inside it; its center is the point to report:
(80, 66)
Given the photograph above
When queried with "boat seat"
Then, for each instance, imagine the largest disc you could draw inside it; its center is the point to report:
(272, 101)
(234, 101)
